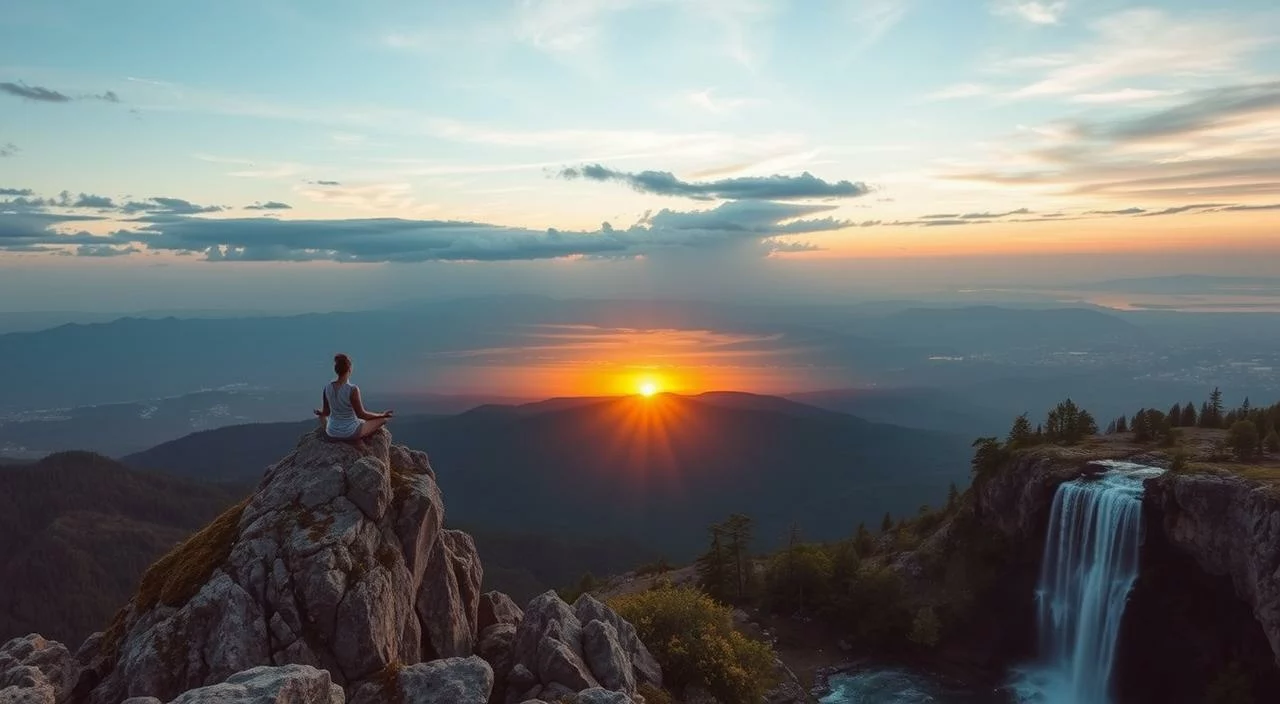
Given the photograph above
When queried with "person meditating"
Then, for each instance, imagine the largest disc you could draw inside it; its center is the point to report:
(343, 416)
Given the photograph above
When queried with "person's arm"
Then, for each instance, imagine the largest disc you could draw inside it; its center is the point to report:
(324, 411)
(358, 406)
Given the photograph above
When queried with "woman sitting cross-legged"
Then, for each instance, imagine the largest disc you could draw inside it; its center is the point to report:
(343, 416)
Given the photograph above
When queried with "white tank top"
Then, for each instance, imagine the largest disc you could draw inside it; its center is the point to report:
(342, 422)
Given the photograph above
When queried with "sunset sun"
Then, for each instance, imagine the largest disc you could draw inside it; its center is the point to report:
(648, 388)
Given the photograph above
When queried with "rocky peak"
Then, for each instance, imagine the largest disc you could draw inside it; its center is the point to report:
(336, 580)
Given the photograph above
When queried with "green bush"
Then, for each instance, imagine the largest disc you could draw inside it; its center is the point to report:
(694, 640)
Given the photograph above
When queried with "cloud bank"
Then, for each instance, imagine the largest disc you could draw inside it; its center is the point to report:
(172, 225)
(777, 187)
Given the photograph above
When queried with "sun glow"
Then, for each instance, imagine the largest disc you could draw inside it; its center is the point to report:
(648, 388)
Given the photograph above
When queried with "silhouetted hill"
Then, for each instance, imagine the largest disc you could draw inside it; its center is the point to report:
(657, 471)
(76, 531)
(934, 409)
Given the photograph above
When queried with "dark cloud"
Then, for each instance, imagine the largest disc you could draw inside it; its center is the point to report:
(48, 95)
(1126, 211)
(269, 205)
(751, 226)
(1184, 208)
(777, 187)
(38, 93)
(168, 206)
(91, 201)
(994, 216)
(1272, 206)
(16, 192)
(8, 149)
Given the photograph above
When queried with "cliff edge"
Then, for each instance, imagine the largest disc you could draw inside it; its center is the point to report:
(335, 581)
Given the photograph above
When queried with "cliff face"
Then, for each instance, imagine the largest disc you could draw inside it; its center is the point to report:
(1231, 527)
(1204, 614)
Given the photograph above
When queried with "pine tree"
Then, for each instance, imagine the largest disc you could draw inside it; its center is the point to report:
(863, 543)
(1188, 415)
(953, 497)
(713, 567)
(1021, 435)
(1142, 428)
(738, 542)
(1175, 415)
(886, 523)
(1122, 425)
(1206, 416)
(1111, 428)
(1216, 408)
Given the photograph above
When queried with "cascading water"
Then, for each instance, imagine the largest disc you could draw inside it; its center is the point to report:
(1090, 564)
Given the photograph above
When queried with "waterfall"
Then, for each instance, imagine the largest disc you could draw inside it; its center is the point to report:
(1090, 564)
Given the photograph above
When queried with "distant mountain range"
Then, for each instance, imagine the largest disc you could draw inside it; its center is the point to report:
(657, 471)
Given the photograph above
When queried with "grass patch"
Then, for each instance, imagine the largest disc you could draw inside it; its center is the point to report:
(177, 576)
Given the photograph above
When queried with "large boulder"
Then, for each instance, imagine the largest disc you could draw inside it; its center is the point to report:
(496, 607)
(34, 670)
(338, 561)
(559, 648)
(449, 681)
(290, 684)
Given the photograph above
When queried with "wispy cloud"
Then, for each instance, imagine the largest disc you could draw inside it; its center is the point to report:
(1033, 11)
(960, 90)
(8, 149)
(1146, 43)
(708, 101)
(1218, 143)
(36, 93)
(269, 205)
(41, 94)
(777, 187)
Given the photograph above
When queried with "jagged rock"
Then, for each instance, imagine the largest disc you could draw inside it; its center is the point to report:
(606, 658)
(602, 696)
(338, 561)
(522, 677)
(496, 607)
(450, 681)
(35, 670)
(647, 670)
(558, 664)
(552, 647)
(556, 692)
(495, 648)
(290, 684)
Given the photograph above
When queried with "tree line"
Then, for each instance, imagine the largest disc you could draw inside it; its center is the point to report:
(1252, 431)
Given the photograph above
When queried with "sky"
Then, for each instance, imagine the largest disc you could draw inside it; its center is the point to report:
(326, 155)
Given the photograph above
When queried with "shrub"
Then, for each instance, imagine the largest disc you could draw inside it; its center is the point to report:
(653, 695)
(694, 640)
(1273, 441)
(1243, 438)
